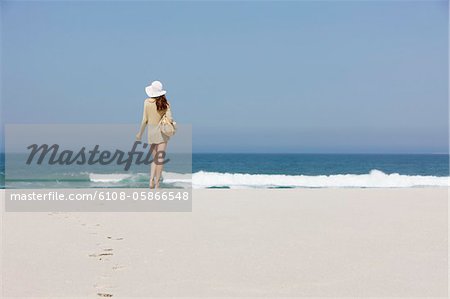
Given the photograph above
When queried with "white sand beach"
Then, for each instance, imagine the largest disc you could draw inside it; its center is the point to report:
(238, 243)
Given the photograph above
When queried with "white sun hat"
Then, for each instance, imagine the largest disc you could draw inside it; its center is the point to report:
(155, 89)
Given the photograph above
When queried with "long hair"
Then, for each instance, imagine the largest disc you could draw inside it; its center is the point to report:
(161, 103)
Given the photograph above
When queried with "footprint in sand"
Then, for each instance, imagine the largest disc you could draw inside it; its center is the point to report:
(106, 253)
(102, 256)
(118, 267)
(104, 294)
(104, 289)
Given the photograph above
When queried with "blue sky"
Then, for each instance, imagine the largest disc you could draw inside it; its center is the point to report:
(323, 76)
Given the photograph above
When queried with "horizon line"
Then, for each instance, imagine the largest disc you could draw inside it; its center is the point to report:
(306, 153)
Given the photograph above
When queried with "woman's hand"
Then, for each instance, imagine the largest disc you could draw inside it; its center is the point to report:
(138, 137)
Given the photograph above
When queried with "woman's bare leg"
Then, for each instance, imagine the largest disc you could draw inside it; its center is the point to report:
(152, 167)
(161, 147)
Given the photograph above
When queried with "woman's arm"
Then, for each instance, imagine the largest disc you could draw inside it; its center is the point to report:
(143, 123)
(169, 113)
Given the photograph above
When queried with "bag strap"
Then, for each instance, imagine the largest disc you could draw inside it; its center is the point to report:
(163, 118)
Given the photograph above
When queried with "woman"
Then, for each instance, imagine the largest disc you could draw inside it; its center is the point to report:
(154, 108)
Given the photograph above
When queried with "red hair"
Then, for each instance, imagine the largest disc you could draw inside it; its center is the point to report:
(161, 103)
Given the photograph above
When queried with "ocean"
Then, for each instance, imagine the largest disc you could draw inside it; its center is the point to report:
(253, 171)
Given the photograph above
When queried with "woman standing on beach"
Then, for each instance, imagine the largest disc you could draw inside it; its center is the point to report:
(155, 107)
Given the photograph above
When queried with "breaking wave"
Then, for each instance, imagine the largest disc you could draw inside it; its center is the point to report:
(374, 179)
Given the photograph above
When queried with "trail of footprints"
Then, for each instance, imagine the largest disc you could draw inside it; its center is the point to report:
(104, 254)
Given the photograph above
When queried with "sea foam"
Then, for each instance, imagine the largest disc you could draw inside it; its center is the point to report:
(202, 179)
(108, 178)
(375, 178)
